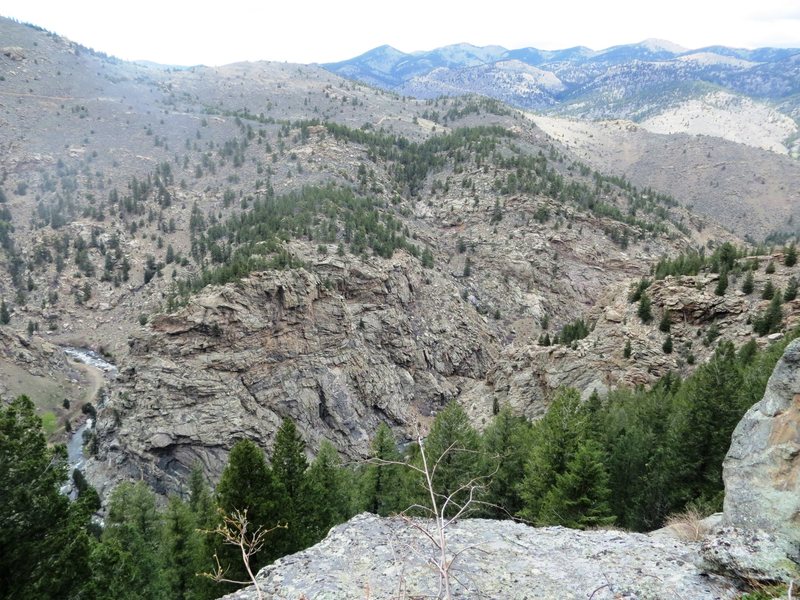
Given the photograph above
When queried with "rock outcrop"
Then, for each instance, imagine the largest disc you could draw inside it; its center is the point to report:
(338, 350)
(762, 468)
(761, 537)
(371, 557)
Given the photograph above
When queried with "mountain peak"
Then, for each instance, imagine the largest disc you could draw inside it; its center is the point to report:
(657, 45)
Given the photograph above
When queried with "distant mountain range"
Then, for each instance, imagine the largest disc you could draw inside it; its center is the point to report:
(634, 81)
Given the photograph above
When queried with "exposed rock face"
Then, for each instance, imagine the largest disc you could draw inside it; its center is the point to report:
(526, 375)
(762, 493)
(762, 468)
(750, 555)
(370, 557)
(338, 350)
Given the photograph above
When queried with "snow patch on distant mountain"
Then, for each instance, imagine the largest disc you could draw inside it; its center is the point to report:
(465, 55)
(656, 45)
(728, 116)
(711, 58)
(509, 80)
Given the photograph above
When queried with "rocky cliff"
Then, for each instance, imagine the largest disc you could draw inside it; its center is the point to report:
(338, 350)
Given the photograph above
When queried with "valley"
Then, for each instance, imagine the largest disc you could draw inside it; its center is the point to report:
(265, 255)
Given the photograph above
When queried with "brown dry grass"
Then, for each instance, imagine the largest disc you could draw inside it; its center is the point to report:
(688, 525)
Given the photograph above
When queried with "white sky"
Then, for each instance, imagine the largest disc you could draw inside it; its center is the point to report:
(216, 32)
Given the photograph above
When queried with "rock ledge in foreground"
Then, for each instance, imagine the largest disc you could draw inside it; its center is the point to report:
(374, 557)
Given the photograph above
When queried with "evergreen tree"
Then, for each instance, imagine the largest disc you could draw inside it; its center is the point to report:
(289, 466)
(580, 496)
(633, 430)
(554, 439)
(645, 312)
(771, 319)
(770, 268)
(748, 286)
(327, 502)
(43, 542)
(768, 292)
(626, 352)
(505, 448)
(182, 552)
(665, 323)
(200, 501)
(790, 256)
(722, 283)
(247, 484)
(204, 513)
(667, 345)
(791, 290)
(379, 482)
(636, 294)
(5, 316)
(127, 563)
(453, 447)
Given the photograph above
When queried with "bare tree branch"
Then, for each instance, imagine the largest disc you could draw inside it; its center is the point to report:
(233, 531)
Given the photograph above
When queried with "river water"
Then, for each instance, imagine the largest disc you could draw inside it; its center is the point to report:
(93, 359)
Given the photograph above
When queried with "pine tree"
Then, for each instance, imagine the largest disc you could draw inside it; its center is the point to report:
(645, 313)
(580, 496)
(768, 292)
(790, 256)
(791, 290)
(554, 439)
(722, 283)
(182, 551)
(289, 466)
(704, 417)
(771, 319)
(665, 323)
(127, 563)
(43, 541)
(379, 481)
(327, 502)
(505, 448)
(626, 352)
(5, 316)
(667, 345)
(748, 286)
(247, 484)
(770, 269)
(454, 447)
(205, 516)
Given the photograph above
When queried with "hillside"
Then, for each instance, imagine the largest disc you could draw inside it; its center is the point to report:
(269, 240)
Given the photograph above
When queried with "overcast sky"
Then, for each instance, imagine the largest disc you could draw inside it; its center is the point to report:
(225, 31)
